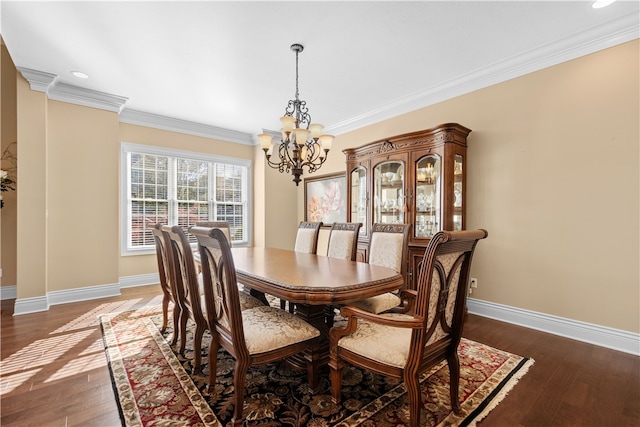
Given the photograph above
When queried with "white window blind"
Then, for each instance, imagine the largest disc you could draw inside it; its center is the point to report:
(181, 188)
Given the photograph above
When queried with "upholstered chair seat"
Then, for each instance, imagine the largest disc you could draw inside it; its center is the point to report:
(268, 328)
(247, 301)
(384, 344)
(379, 303)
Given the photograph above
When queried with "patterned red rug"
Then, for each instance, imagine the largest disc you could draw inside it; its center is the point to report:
(153, 385)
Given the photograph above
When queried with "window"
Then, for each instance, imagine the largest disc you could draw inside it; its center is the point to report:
(180, 188)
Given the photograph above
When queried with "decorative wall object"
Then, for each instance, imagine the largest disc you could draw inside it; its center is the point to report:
(325, 198)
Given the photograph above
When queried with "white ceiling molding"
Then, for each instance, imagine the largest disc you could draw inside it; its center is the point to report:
(38, 80)
(183, 126)
(581, 44)
(46, 82)
(86, 97)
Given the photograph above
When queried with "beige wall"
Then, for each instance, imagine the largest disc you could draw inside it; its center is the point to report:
(82, 194)
(553, 168)
(32, 237)
(8, 135)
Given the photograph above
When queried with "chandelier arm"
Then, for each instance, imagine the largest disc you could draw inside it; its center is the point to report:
(279, 166)
(312, 167)
(316, 150)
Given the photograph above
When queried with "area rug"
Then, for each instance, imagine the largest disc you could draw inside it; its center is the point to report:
(154, 385)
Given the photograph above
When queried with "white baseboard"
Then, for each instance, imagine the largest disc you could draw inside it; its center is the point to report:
(603, 336)
(139, 280)
(8, 292)
(30, 305)
(83, 294)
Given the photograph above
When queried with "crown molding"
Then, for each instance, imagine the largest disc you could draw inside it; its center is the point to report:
(580, 44)
(38, 80)
(142, 118)
(86, 97)
(46, 82)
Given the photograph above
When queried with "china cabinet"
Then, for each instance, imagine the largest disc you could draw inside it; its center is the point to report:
(416, 178)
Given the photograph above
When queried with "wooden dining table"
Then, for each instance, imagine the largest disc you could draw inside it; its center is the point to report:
(313, 283)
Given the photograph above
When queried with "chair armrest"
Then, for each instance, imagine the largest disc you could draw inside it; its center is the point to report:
(408, 298)
(352, 314)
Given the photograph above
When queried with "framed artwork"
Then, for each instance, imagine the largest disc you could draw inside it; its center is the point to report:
(325, 198)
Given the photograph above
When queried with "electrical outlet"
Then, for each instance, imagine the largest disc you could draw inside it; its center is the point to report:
(474, 282)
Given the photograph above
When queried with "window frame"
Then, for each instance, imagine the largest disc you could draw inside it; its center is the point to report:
(125, 186)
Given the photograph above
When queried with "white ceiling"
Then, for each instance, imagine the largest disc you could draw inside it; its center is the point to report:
(228, 64)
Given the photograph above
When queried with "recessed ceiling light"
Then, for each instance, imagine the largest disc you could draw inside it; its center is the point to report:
(599, 4)
(80, 74)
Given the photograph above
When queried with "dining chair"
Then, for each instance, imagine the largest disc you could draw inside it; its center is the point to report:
(307, 237)
(343, 244)
(222, 225)
(226, 229)
(306, 242)
(253, 336)
(343, 240)
(166, 283)
(402, 346)
(190, 290)
(387, 248)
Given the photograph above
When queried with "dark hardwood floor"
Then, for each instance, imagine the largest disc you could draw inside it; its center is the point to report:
(54, 372)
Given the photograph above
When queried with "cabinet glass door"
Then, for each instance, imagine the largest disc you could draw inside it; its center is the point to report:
(458, 175)
(359, 197)
(388, 188)
(428, 196)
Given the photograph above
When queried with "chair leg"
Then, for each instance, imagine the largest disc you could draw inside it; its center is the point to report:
(239, 379)
(413, 393)
(313, 371)
(184, 316)
(165, 313)
(177, 312)
(214, 345)
(291, 307)
(454, 381)
(197, 348)
(336, 380)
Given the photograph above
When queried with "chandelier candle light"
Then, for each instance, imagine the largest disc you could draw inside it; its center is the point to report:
(303, 143)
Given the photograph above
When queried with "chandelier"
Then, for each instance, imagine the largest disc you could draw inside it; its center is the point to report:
(302, 143)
